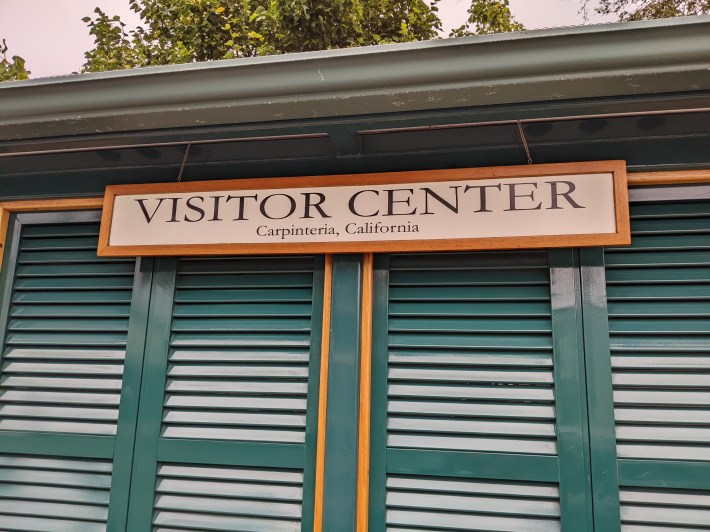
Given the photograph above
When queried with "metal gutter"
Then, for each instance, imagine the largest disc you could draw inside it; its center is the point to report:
(612, 60)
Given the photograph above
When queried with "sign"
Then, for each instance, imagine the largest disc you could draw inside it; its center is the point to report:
(555, 205)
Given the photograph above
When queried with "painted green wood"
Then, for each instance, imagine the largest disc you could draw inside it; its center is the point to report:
(248, 499)
(57, 359)
(659, 338)
(65, 329)
(659, 322)
(582, 379)
(314, 368)
(664, 509)
(51, 493)
(689, 475)
(145, 460)
(378, 414)
(69, 445)
(231, 453)
(464, 386)
(502, 466)
(464, 504)
(226, 387)
(599, 390)
(340, 483)
(575, 484)
(130, 394)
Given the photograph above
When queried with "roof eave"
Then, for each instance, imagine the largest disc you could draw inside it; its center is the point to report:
(612, 60)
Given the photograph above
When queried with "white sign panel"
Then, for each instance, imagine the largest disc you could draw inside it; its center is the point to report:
(450, 209)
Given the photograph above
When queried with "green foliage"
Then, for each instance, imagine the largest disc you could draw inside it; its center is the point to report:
(12, 70)
(182, 31)
(651, 9)
(488, 16)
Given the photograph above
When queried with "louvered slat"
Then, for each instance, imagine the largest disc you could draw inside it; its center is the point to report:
(66, 333)
(53, 494)
(227, 498)
(434, 503)
(240, 344)
(470, 353)
(671, 510)
(659, 321)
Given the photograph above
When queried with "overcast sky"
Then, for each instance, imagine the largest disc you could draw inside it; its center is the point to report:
(50, 35)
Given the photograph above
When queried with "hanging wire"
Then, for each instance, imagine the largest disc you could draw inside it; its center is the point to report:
(525, 142)
(184, 160)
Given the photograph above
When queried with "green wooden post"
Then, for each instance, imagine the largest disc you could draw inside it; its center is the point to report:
(378, 415)
(145, 461)
(599, 389)
(340, 486)
(130, 393)
(575, 486)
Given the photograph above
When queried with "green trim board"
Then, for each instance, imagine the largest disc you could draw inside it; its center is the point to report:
(599, 391)
(575, 481)
(474, 465)
(341, 440)
(687, 475)
(130, 393)
(145, 461)
(67, 445)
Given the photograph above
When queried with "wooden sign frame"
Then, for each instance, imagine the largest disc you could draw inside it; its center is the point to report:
(622, 235)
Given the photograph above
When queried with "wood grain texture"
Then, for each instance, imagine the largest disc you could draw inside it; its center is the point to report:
(323, 396)
(617, 168)
(675, 177)
(363, 449)
(65, 204)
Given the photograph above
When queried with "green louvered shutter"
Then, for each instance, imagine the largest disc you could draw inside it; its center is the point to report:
(66, 318)
(466, 386)
(229, 404)
(658, 293)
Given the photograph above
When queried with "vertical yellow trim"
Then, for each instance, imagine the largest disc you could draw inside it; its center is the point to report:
(4, 223)
(363, 448)
(323, 395)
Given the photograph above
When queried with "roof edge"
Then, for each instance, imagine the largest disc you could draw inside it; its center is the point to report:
(608, 60)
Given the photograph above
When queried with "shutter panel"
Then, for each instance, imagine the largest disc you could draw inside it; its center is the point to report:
(233, 393)
(66, 334)
(53, 493)
(66, 319)
(423, 503)
(465, 368)
(651, 510)
(659, 325)
(248, 499)
(470, 355)
(238, 366)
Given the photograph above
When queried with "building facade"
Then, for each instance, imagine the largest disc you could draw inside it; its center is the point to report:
(513, 389)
